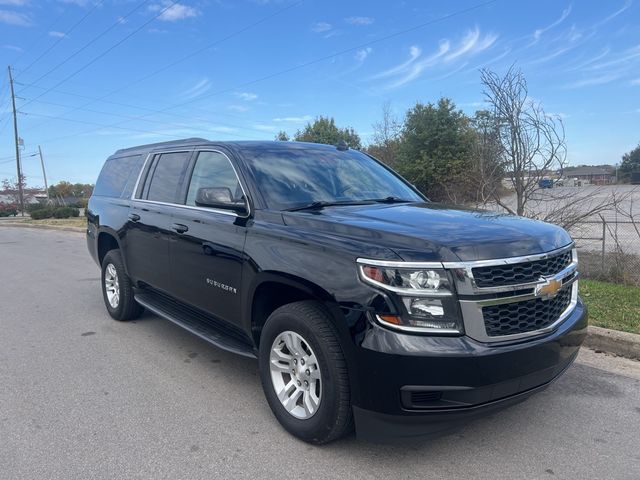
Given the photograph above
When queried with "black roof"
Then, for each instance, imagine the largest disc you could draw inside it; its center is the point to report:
(190, 142)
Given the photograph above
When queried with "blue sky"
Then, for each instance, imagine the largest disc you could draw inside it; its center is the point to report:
(94, 76)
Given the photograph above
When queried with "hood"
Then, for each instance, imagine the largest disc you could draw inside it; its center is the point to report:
(435, 232)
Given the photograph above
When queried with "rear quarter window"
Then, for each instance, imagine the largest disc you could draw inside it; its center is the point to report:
(118, 176)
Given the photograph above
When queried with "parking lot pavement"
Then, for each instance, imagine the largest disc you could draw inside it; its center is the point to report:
(83, 396)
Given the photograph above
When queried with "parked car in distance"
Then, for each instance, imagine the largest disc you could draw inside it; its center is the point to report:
(545, 183)
(364, 303)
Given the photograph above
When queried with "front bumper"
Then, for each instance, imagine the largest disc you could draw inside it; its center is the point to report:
(456, 378)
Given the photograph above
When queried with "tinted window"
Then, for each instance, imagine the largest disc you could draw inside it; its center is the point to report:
(294, 175)
(168, 172)
(118, 176)
(213, 170)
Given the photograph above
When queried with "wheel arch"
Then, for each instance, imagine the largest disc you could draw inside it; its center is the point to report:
(107, 239)
(273, 289)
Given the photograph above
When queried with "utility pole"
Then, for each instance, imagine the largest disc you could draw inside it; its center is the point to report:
(15, 133)
(44, 174)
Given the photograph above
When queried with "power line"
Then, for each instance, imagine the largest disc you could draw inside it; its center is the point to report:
(137, 130)
(135, 107)
(44, 34)
(130, 117)
(114, 46)
(94, 40)
(323, 58)
(175, 62)
(66, 33)
(293, 68)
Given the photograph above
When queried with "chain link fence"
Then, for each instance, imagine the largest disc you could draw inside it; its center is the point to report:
(609, 249)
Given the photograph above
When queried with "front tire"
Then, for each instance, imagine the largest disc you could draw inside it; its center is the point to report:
(117, 289)
(304, 373)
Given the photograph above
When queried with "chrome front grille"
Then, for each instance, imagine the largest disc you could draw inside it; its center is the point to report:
(518, 273)
(526, 316)
(515, 298)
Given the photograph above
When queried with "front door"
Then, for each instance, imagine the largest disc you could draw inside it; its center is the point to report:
(207, 257)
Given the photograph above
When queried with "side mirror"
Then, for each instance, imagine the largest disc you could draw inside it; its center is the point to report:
(219, 197)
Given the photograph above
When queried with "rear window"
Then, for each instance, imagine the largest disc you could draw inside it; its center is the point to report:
(118, 176)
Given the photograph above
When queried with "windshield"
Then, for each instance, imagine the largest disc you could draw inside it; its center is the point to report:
(292, 175)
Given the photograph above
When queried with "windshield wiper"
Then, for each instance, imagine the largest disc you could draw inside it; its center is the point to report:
(319, 205)
(389, 200)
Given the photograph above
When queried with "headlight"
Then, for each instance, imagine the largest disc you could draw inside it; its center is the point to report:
(408, 281)
(425, 293)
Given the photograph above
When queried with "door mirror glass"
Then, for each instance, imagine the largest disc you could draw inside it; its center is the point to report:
(219, 197)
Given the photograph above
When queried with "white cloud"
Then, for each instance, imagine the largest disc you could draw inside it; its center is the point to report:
(302, 119)
(361, 55)
(359, 20)
(14, 18)
(198, 89)
(320, 27)
(248, 96)
(175, 12)
(265, 128)
(79, 3)
(592, 81)
(538, 33)
(237, 108)
(56, 34)
(15, 48)
(472, 43)
(608, 18)
(414, 53)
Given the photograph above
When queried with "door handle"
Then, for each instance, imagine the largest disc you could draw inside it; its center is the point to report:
(178, 227)
(134, 217)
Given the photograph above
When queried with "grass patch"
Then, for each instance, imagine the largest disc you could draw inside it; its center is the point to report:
(61, 222)
(612, 305)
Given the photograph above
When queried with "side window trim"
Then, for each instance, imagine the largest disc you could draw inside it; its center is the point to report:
(141, 188)
(149, 164)
(192, 166)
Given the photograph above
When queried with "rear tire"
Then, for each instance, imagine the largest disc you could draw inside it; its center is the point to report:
(304, 373)
(117, 289)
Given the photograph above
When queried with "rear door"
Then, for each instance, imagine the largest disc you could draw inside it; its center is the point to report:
(150, 218)
(207, 257)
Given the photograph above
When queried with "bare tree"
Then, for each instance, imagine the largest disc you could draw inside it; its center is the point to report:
(487, 158)
(386, 137)
(533, 143)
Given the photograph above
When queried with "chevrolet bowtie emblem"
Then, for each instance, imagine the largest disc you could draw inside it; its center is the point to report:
(548, 289)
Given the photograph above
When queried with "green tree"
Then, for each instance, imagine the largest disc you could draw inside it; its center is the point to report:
(436, 150)
(324, 130)
(282, 136)
(630, 163)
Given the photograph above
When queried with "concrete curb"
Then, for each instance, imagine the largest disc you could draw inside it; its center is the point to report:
(44, 227)
(622, 344)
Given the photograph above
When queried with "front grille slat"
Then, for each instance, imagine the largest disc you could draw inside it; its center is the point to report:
(526, 316)
(519, 273)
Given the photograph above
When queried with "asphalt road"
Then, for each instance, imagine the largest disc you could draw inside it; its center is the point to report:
(83, 396)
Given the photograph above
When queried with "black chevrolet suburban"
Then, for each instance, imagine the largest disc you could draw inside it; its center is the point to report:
(365, 304)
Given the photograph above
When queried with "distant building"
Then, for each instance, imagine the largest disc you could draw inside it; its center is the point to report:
(597, 175)
(31, 195)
